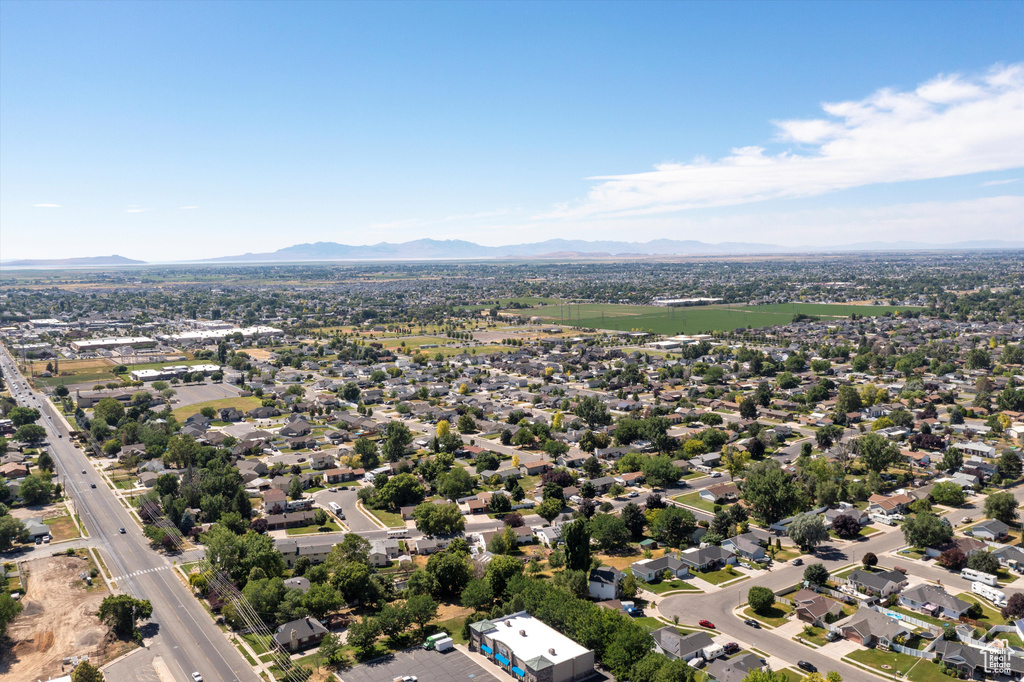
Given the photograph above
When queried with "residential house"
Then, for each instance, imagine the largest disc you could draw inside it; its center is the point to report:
(651, 570)
(888, 504)
(289, 520)
(974, 663)
(879, 583)
(605, 583)
(934, 601)
(322, 460)
(292, 551)
(869, 628)
(675, 646)
(382, 552)
(750, 546)
(993, 530)
(966, 545)
(299, 635)
(723, 492)
(274, 501)
(814, 608)
(707, 558)
(734, 669)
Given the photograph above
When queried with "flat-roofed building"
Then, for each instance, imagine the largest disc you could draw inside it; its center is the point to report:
(113, 342)
(528, 649)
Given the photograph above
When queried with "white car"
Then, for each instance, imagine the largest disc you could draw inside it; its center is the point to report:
(197, 677)
(716, 474)
(633, 493)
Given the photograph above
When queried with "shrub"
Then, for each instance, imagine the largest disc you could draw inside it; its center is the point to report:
(760, 599)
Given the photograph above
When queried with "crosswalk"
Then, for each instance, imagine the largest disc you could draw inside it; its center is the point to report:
(141, 572)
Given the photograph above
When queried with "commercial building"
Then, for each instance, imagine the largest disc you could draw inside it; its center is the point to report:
(530, 650)
(113, 342)
(258, 331)
(171, 372)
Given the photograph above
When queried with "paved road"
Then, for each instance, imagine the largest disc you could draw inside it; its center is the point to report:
(717, 606)
(356, 520)
(182, 633)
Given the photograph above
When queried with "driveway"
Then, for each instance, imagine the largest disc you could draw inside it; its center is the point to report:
(356, 520)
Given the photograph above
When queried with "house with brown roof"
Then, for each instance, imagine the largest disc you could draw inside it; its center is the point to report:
(723, 492)
(814, 608)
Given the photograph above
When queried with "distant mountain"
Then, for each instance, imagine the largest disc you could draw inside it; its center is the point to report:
(455, 249)
(72, 262)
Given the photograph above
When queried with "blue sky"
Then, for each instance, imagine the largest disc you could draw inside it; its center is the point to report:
(186, 130)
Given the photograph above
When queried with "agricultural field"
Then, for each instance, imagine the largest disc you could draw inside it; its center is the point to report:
(695, 319)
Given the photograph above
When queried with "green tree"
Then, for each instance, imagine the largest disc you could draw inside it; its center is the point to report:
(452, 572)
(422, 609)
(673, 526)
(11, 530)
(477, 595)
(926, 530)
(770, 492)
(591, 410)
(634, 520)
(367, 451)
(876, 451)
(466, 424)
(848, 400)
(549, 509)
(576, 536)
(1002, 506)
(760, 599)
(9, 610)
(816, 574)
(30, 433)
(1009, 466)
(397, 437)
(322, 599)
(35, 489)
(455, 484)
(393, 619)
(439, 519)
(121, 612)
(400, 490)
(500, 570)
(363, 636)
(20, 416)
(109, 410)
(807, 531)
(610, 532)
(948, 493)
(748, 408)
(86, 672)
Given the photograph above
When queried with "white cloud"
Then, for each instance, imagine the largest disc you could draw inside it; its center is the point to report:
(994, 183)
(187, 208)
(950, 126)
(46, 205)
(135, 209)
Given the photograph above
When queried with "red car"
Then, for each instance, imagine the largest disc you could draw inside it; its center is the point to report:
(707, 624)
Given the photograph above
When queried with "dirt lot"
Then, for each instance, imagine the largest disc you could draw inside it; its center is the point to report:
(59, 619)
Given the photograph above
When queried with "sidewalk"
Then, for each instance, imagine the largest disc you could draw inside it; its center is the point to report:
(487, 665)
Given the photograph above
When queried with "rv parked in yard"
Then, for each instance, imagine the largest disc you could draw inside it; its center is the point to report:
(995, 596)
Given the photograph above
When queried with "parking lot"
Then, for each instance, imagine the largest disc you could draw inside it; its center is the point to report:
(426, 666)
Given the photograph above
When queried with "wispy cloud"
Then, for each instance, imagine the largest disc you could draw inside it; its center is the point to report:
(994, 183)
(952, 125)
(46, 205)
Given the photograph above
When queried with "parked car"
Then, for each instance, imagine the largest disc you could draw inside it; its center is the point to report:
(832, 636)
(798, 561)
(731, 648)
(752, 623)
(707, 624)
(808, 666)
(633, 493)
(716, 474)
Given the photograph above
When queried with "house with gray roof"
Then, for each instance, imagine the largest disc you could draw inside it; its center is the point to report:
(934, 601)
(992, 529)
(869, 628)
(668, 641)
(651, 570)
(879, 583)
(734, 669)
(707, 558)
(748, 545)
(299, 635)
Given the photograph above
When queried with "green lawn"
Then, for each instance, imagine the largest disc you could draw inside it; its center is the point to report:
(696, 319)
(1011, 637)
(387, 518)
(791, 675)
(664, 586)
(721, 576)
(313, 528)
(239, 403)
(920, 669)
(775, 616)
(258, 644)
(817, 637)
(694, 500)
(990, 615)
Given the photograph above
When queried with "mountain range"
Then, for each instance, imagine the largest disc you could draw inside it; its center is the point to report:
(81, 261)
(561, 249)
(454, 249)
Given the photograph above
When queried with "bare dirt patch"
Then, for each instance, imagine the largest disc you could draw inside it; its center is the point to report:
(58, 620)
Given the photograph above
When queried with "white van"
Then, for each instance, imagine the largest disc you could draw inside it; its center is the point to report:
(978, 576)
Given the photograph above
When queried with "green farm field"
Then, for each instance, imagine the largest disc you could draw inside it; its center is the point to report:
(697, 320)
